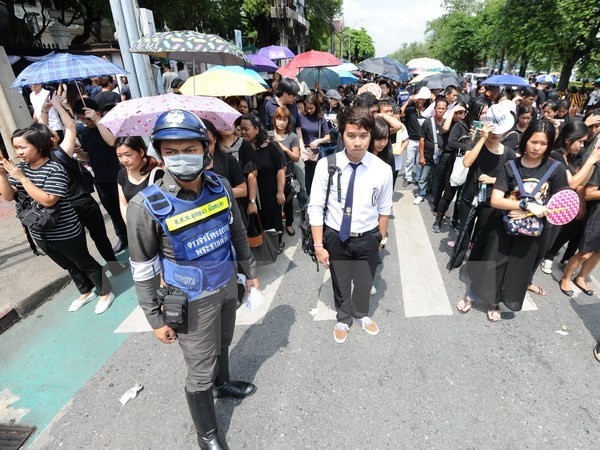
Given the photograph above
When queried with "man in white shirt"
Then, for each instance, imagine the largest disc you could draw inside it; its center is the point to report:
(451, 94)
(348, 227)
(38, 97)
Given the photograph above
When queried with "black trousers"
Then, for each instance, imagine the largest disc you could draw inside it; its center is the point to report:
(442, 173)
(570, 233)
(109, 197)
(73, 256)
(90, 217)
(352, 263)
(309, 174)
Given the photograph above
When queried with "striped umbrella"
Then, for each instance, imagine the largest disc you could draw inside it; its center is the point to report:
(64, 67)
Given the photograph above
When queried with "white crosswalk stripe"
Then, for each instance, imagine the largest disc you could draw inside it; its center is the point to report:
(423, 289)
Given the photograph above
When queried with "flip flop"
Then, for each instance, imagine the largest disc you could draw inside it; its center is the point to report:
(491, 314)
(538, 290)
(467, 305)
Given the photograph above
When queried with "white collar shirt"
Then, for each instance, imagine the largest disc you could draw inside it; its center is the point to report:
(37, 102)
(372, 193)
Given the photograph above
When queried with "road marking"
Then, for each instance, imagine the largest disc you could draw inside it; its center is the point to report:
(8, 414)
(134, 323)
(529, 304)
(322, 310)
(423, 289)
(270, 277)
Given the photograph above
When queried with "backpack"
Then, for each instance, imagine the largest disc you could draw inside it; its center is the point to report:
(308, 244)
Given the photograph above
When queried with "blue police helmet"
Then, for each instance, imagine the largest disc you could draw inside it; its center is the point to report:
(179, 124)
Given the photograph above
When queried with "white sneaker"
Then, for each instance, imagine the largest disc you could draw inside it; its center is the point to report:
(77, 304)
(103, 305)
(546, 266)
(418, 200)
(368, 325)
(373, 290)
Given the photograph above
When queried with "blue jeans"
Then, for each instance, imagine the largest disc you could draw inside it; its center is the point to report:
(424, 179)
(411, 159)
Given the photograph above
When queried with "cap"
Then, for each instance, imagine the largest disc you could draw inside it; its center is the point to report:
(373, 88)
(332, 93)
(179, 124)
(424, 94)
(501, 117)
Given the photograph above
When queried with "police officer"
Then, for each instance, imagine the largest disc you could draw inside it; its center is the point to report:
(188, 228)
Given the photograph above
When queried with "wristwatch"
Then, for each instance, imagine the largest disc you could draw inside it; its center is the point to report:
(253, 200)
(523, 205)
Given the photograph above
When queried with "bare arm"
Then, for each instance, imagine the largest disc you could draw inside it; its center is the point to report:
(68, 143)
(592, 193)
(394, 124)
(37, 194)
(240, 191)
(106, 134)
(472, 154)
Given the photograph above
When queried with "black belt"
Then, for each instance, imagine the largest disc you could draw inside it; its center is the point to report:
(357, 235)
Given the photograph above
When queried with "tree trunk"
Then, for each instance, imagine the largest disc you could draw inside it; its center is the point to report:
(501, 65)
(524, 64)
(567, 69)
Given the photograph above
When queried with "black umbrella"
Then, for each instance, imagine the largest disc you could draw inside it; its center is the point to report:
(461, 244)
(386, 67)
(440, 81)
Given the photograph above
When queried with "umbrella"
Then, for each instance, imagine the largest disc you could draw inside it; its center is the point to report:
(346, 77)
(136, 117)
(348, 66)
(274, 52)
(242, 71)
(386, 67)
(327, 78)
(262, 64)
(460, 246)
(424, 64)
(550, 79)
(597, 80)
(64, 67)
(289, 72)
(221, 83)
(505, 80)
(314, 58)
(436, 80)
(191, 46)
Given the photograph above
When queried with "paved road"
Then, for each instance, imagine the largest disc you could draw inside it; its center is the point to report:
(432, 378)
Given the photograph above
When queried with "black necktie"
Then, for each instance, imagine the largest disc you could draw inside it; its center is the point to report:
(347, 213)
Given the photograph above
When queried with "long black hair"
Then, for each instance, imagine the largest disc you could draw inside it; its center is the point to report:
(475, 111)
(138, 144)
(262, 135)
(381, 130)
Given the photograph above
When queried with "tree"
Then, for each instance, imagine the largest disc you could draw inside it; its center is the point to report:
(320, 14)
(90, 12)
(410, 51)
(18, 33)
(358, 44)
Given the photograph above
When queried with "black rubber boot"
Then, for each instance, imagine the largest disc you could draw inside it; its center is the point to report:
(224, 387)
(202, 410)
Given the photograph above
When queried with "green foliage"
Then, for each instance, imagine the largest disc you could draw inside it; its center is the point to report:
(410, 51)
(358, 44)
(320, 14)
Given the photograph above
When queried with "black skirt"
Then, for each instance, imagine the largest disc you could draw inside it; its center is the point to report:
(590, 242)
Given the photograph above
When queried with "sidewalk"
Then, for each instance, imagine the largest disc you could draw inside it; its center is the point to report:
(27, 280)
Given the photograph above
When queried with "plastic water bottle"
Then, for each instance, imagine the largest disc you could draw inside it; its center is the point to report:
(482, 197)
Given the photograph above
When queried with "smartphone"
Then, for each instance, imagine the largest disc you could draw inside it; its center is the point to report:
(477, 125)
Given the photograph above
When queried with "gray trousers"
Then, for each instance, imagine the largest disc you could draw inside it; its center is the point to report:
(211, 323)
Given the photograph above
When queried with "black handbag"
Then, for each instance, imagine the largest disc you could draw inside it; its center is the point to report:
(264, 245)
(35, 216)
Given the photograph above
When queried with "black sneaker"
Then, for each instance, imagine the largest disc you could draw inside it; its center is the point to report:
(597, 352)
(437, 226)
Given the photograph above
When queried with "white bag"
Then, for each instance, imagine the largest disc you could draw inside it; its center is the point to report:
(459, 172)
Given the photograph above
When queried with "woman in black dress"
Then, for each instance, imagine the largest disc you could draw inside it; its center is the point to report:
(139, 169)
(271, 174)
(508, 260)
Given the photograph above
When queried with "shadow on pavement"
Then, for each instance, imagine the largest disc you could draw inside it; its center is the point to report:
(259, 343)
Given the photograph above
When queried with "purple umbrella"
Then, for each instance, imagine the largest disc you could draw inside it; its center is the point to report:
(262, 63)
(274, 52)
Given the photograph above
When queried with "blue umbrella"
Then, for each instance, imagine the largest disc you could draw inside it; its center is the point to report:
(505, 80)
(241, 70)
(64, 67)
(550, 79)
(327, 78)
(262, 63)
(346, 77)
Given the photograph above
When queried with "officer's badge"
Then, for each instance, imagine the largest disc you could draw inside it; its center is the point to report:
(175, 116)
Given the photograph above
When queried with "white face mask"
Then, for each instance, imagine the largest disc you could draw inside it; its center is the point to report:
(185, 167)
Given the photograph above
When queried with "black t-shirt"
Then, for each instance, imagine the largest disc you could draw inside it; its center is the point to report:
(506, 181)
(228, 167)
(131, 189)
(76, 187)
(413, 121)
(270, 160)
(428, 132)
(103, 157)
(487, 163)
(594, 181)
(459, 138)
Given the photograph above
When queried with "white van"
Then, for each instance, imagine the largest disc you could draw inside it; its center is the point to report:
(475, 78)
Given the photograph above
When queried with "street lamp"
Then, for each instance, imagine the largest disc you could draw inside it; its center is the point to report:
(350, 38)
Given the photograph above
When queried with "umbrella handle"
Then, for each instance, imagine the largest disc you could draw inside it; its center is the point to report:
(80, 94)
